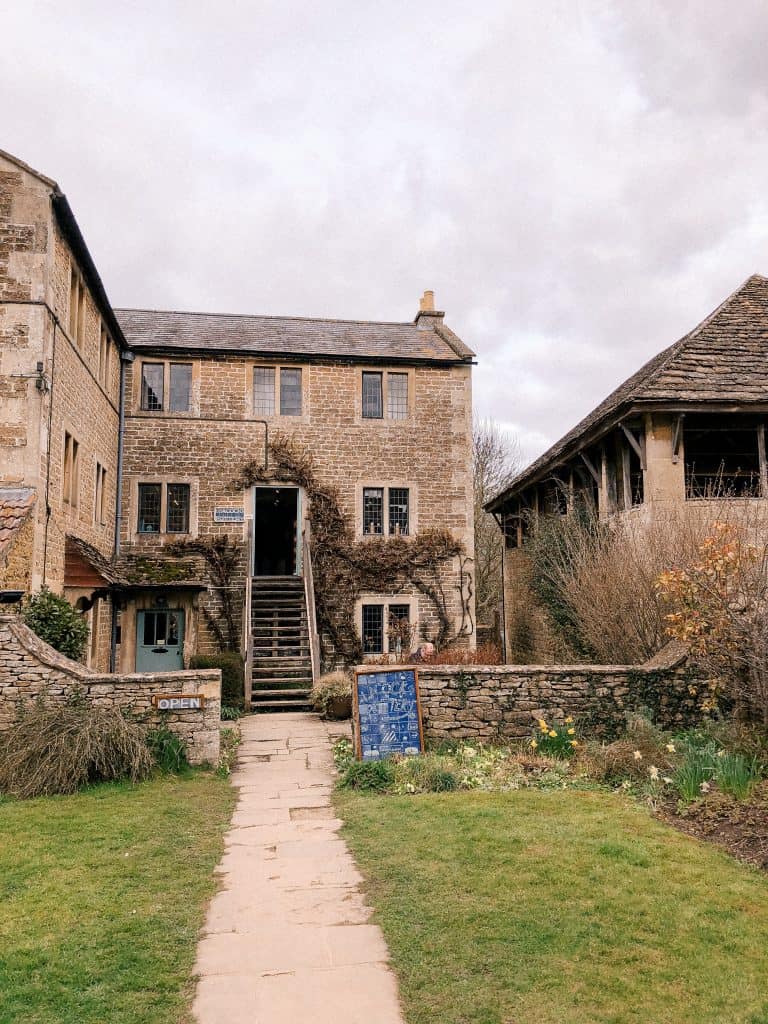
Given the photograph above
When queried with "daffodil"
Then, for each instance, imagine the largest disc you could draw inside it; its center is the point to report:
(653, 771)
(568, 720)
(637, 755)
(671, 748)
(534, 744)
(571, 731)
(704, 787)
(552, 733)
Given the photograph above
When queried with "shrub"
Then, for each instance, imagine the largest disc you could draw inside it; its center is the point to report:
(371, 776)
(232, 680)
(555, 739)
(229, 714)
(428, 773)
(637, 756)
(169, 751)
(54, 620)
(484, 654)
(230, 741)
(334, 686)
(57, 748)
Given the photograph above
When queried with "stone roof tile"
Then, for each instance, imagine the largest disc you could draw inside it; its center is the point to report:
(291, 336)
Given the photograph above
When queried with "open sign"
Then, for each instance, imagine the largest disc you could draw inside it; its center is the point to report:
(179, 701)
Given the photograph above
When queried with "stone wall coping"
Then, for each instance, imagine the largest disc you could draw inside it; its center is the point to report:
(530, 670)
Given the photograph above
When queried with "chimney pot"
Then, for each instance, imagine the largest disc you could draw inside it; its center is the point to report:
(427, 302)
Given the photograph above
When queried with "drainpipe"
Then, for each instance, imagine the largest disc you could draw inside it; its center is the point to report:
(125, 359)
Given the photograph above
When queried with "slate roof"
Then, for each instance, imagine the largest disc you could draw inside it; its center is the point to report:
(293, 336)
(724, 360)
(16, 503)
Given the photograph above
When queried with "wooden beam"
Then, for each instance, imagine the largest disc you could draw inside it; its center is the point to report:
(638, 446)
(763, 464)
(626, 477)
(677, 436)
(597, 477)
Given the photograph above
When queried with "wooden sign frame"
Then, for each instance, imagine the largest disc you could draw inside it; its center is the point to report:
(158, 697)
(377, 670)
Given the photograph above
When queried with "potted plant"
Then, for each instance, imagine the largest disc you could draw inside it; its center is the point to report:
(332, 695)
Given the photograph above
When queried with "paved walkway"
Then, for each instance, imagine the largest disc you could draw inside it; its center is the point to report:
(287, 938)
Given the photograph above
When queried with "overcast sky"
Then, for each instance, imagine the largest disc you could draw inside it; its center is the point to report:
(579, 182)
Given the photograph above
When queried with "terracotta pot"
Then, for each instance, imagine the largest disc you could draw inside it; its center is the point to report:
(339, 707)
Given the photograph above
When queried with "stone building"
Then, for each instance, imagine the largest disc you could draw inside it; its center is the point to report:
(687, 428)
(167, 470)
(60, 348)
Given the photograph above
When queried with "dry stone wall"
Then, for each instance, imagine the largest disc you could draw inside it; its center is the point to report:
(488, 703)
(29, 669)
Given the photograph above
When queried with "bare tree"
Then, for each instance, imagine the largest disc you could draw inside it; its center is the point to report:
(496, 459)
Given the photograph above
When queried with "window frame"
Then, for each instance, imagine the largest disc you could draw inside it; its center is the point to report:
(166, 399)
(386, 602)
(386, 488)
(100, 500)
(77, 307)
(164, 482)
(70, 492)
(388, 408)
(279, 391)
(184, 487)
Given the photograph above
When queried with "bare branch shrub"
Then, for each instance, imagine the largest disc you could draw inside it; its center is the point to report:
(597, 579)
(57, 748)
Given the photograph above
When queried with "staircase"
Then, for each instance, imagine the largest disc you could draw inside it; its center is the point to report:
(281, 676)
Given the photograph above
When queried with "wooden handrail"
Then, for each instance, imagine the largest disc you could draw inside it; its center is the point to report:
(246, 645)
(309, 594)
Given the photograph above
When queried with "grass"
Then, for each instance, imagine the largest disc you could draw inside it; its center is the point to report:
(102, 895)
(571, 907)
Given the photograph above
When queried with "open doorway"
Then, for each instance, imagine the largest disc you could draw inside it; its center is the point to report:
(276, 531)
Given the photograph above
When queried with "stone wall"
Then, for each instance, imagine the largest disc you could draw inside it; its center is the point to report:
(29, 668)
(487, 703)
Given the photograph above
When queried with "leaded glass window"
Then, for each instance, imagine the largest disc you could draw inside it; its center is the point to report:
(373, 405)
(149, 508)
(397, 396)
(290, 392)
(180, 387)
(373, 628)
(373, 510)
(177, 512)
(264, 390)
(398, 511)
(152, 387)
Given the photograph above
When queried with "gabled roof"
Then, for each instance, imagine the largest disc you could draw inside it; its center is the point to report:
(426, 340)
(16, 503)
(722, 360)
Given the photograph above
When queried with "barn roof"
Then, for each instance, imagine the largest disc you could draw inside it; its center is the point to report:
(722, 360)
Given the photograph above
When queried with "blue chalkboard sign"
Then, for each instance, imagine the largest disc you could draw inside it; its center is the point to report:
(387, 713)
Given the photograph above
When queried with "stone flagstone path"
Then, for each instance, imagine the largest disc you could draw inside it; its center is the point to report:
(287, 938)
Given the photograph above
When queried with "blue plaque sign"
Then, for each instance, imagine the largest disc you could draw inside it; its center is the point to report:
(387, 714)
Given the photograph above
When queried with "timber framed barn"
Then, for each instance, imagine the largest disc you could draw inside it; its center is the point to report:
(296, 489)
(688, 427)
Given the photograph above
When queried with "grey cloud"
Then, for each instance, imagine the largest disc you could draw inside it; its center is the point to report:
(580, 183)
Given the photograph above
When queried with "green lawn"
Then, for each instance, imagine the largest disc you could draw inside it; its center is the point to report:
(570, 907)
(101, 898)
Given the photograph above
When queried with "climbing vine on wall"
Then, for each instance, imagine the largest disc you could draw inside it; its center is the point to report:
(223, 560)
(344, 567)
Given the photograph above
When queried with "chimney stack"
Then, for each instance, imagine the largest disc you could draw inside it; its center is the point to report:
(428, 316)
(427, 302)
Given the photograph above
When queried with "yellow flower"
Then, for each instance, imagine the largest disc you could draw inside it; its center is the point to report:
(534, 744)
(552, 733)
(568, 720)
(671, 748)
(637, 755)
(574, 743)
(543, 724)
(571, 732)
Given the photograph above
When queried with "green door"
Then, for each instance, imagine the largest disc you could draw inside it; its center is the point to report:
(160, 640)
